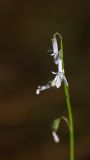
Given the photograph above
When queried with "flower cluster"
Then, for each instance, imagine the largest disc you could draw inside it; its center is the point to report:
(59, 75)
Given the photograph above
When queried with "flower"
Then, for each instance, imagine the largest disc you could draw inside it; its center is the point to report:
(58, 80)
(41, 88)
(55, 137)
(58, 60)
(54, 83)
(55, 50)
(60, 76)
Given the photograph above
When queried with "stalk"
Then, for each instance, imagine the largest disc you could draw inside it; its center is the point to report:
(69, 108)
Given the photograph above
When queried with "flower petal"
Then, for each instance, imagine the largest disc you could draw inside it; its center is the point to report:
(64, 79)
(55, 50)
(58, 81)
(53, 83)
(41, 88)
(55, 137)
(60, 65)
(55, 45)
(37, 91)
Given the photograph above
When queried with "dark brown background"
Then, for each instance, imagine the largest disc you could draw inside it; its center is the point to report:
(26, 29)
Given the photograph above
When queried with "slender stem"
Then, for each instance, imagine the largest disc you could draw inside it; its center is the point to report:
(70, 118)
(69, 109)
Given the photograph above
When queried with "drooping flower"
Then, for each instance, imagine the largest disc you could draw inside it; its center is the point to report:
(55, 50)
(42, 88)
(54, 83)
(59, 75)
(55, 137)
(58, 80)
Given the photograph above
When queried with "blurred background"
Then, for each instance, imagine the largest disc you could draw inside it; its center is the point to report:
(26, 29)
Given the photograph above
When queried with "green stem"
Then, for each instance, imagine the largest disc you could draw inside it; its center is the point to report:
(70, 118)
(69, 109)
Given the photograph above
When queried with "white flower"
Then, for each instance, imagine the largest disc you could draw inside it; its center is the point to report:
(60, 65)
(60, 73)
(55, 137)
(55, 50)
(59, 76)
(37, 91)
(54, 83)
(58, 80)
(41, 88)
(55, 45)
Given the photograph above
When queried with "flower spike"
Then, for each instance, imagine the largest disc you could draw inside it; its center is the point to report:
(56, 82)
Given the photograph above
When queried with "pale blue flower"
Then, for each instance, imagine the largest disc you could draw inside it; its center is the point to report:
(55, 50)
(59, 74)
(58, 80)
